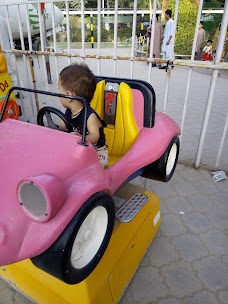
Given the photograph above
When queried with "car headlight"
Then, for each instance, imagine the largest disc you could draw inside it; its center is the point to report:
(41, 196)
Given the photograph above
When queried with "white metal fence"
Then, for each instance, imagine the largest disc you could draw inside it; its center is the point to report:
(192, 93)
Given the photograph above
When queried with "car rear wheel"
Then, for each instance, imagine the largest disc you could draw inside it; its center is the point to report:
(81, 246)
(164, 167)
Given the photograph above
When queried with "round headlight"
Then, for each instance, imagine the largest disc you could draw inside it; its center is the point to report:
(42, 196)
(33, 199)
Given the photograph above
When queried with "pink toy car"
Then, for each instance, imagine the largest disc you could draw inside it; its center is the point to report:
(56, 199)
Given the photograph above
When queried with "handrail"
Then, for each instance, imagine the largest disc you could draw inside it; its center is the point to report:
(50, 94)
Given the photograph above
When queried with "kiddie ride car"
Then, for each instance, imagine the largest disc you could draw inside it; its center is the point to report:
(84, 226)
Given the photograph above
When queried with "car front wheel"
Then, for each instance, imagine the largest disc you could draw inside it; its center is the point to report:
(81, 246)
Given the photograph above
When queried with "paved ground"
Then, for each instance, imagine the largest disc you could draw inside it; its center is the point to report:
(187, 262)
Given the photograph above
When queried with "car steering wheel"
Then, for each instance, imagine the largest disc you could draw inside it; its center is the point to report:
(46, 111)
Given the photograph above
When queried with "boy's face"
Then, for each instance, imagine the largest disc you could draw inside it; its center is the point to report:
(63, 101)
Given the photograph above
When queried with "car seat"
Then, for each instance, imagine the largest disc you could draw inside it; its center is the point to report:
(121, 135)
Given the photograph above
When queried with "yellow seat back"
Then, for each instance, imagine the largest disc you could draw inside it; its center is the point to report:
(97, 103)
(121, 136)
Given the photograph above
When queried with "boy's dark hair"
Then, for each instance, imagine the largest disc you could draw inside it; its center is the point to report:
(78, 79)
(168, 12)
(201, 22)
(209, 40)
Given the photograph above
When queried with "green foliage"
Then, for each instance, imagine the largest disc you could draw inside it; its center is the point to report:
(124, 33)
(75, 28)
(110, 3)
(106, 36)
(72, 4)
(186, 24)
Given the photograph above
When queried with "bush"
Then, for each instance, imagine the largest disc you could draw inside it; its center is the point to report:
(124, 33)
(186, 24)
(75, 28)
(106, 36)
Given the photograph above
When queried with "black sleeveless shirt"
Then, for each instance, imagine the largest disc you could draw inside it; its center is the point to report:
(77, 124)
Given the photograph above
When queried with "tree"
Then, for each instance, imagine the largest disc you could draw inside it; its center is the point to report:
(186, 22)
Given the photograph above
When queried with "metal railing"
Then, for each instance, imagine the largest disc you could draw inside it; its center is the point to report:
(114, 58)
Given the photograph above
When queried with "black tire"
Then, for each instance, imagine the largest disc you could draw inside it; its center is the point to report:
(58, 260)
(164, 167)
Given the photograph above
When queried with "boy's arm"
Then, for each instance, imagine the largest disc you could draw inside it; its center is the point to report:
(62, 125)
(93, 125)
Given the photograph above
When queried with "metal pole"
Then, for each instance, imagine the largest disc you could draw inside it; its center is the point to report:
(208, 65)
(152, 39)
(141, 29)
(42, 7)
(115, 35)
(68, 30)
(168, 68)
(91, 29)
(31, 64)
(218, 56)
(23, 48)
(175, 23)
(190, 70)
(83, 30)
(42, 46)
(222, 142)
(54, 39)
(99, 34)
(166, 88)
(133, 37)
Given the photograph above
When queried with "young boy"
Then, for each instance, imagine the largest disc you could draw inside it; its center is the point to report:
(207, 51)
(78, 80)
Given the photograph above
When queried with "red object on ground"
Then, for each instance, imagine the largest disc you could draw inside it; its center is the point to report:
(207, 57)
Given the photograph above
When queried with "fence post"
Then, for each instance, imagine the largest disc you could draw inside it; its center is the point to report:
(190, 69)
(218, 56)
(91, 29)
(141, 30)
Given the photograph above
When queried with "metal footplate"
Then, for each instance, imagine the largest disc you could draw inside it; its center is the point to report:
(131, 207)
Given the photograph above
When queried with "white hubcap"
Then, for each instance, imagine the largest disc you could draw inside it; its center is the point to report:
(89, 237)
(171, 159)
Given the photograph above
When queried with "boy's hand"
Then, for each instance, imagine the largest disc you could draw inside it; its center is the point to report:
(76, 133)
